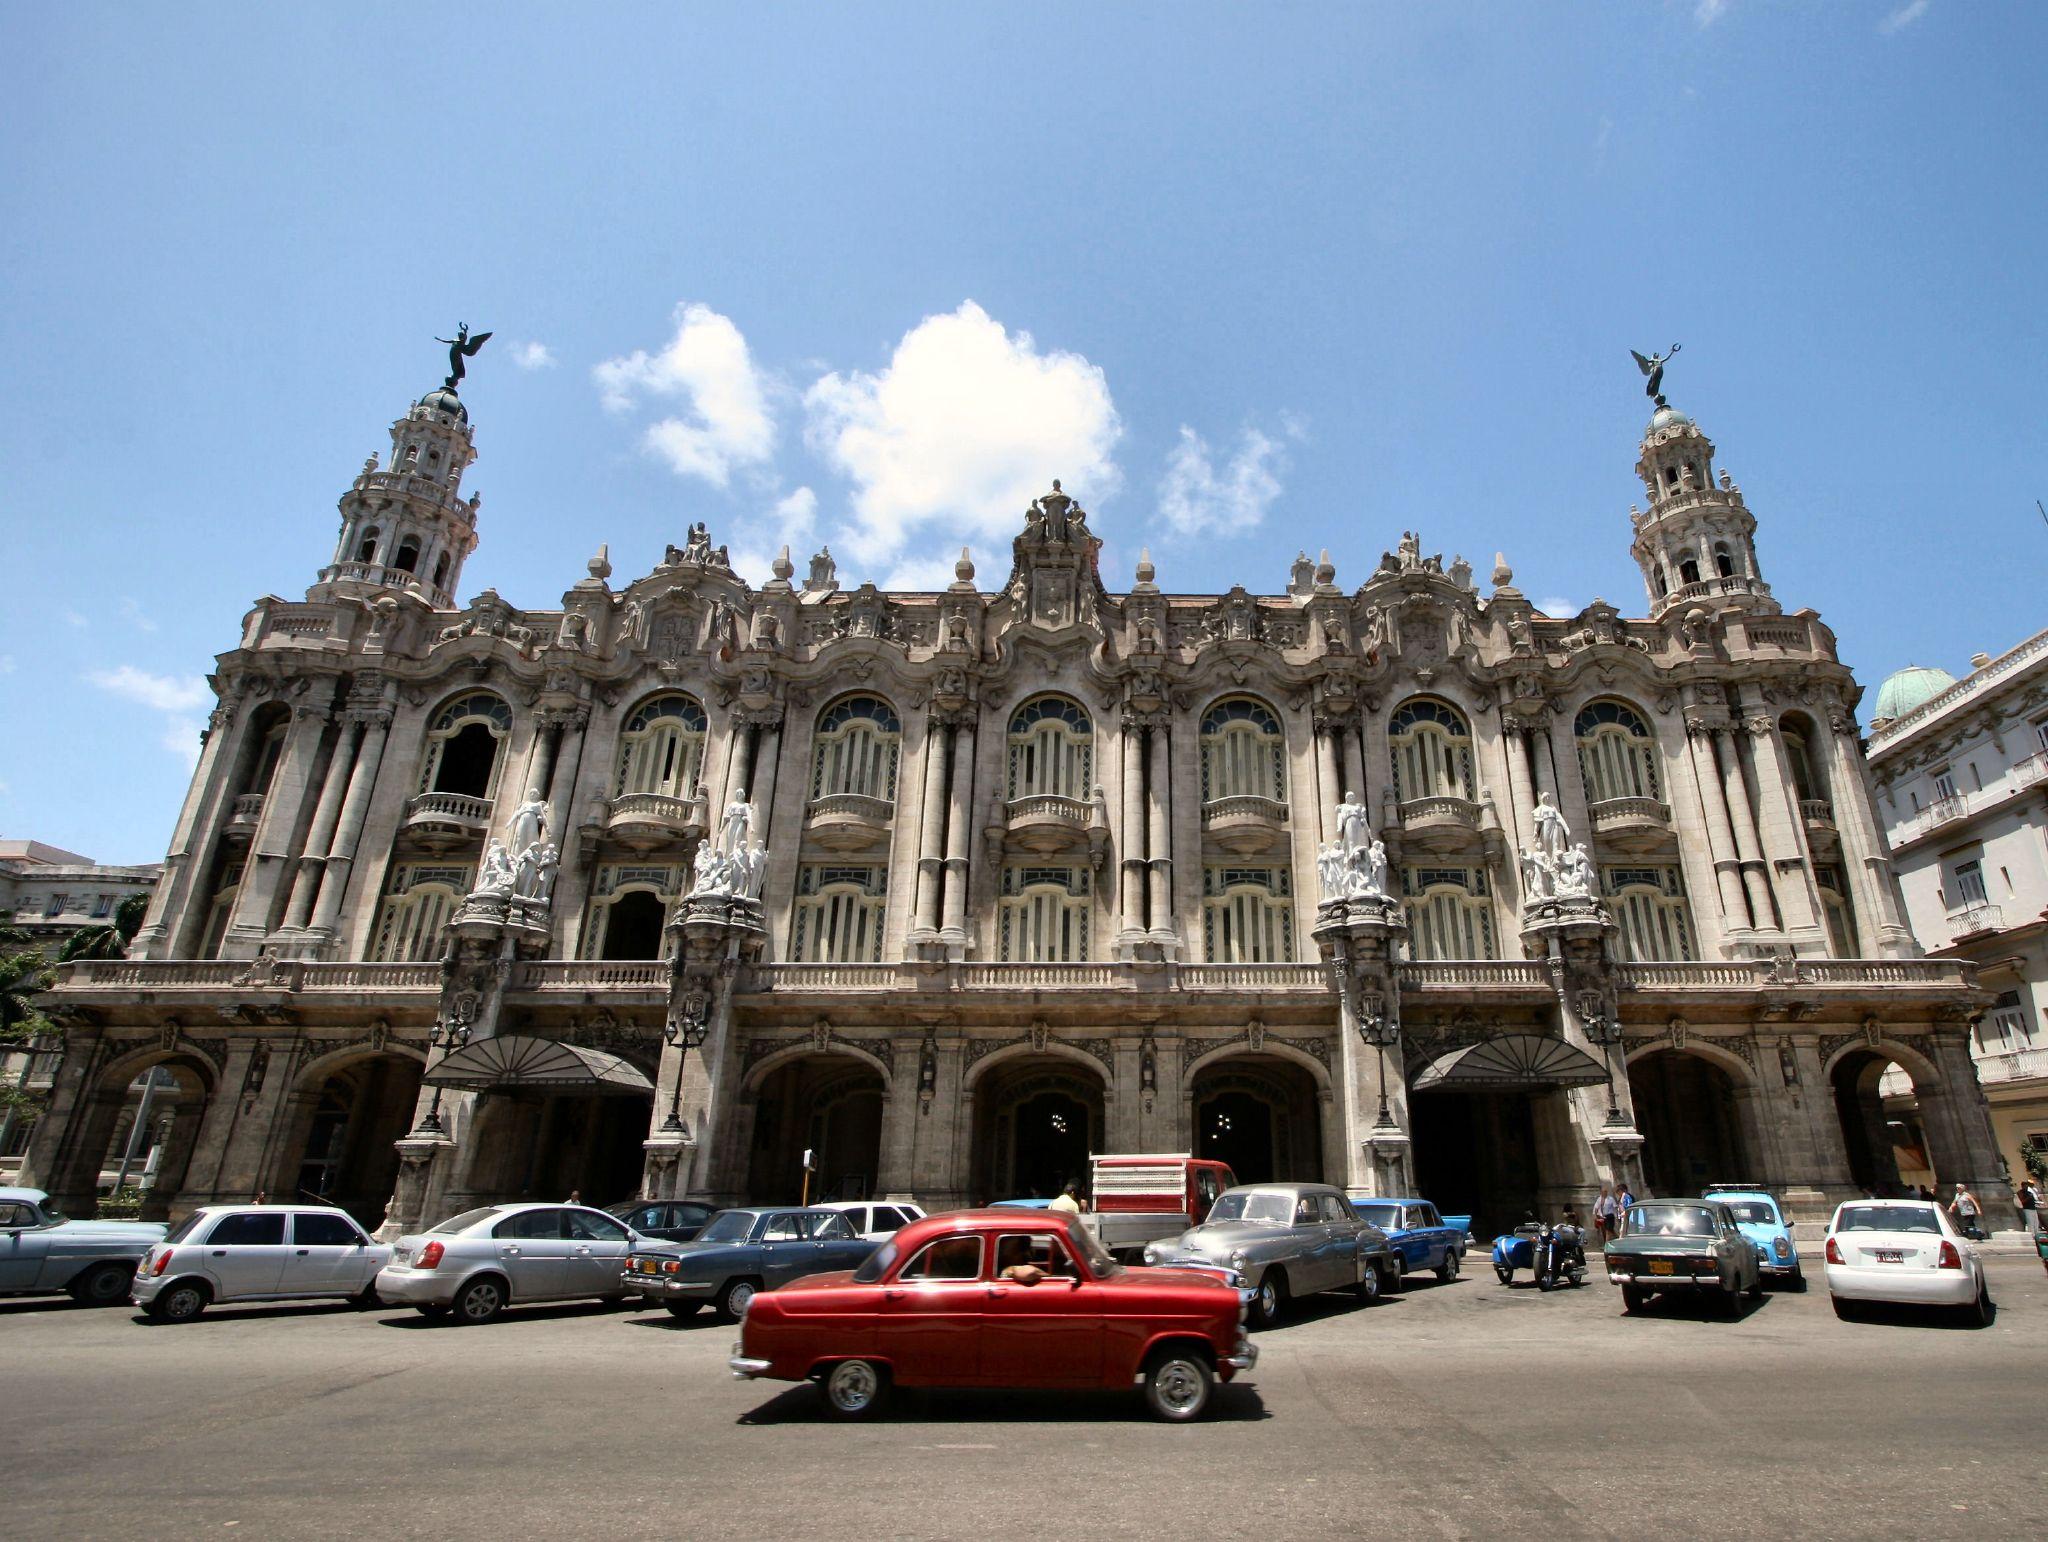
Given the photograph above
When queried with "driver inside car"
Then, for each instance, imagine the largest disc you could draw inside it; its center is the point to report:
(1013, 1261)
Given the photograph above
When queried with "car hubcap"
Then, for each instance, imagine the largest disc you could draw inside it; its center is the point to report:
(1372, 1282)
(481, 1302)
(1180, 1386)
(103, 1288)
(852, 1386)
(184, 1303)
(1269, 1301)
(741, 1296)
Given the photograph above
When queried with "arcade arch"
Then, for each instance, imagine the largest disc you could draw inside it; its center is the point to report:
(1037, 1119)
(1260, 1114)
(1689, 1108)
(830, 1105)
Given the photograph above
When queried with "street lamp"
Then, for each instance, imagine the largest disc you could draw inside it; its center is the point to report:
(687, 1026)
(1376, 1028)
(1603, 1029)
(449, 1034)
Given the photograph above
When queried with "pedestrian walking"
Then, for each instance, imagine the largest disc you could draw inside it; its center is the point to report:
(1622, 1200)
(2029, 1198)
(1964, 1208)
(1068, 1202)
(1603, 1214)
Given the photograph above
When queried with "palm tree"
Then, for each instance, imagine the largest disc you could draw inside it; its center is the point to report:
(24, 972)
(110, 941)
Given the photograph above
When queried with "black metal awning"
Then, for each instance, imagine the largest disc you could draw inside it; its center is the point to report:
(1512, 1060)
(514, 1062)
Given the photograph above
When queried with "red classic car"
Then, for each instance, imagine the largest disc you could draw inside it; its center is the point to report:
(999, 1298)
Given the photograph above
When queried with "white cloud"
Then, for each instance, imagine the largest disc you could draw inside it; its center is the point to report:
(6, 663)
(793, 522)
(1197, 499)
(1707, 12)
(727, 423)
(530, 356)
(1903, 17)
(966, 424)
(932, 572)
(1560, 609)
(133, 611)
(179, 697)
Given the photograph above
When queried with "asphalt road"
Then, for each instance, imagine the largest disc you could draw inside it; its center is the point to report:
(1454, 1410)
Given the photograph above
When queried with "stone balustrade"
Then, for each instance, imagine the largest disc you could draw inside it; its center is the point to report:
(1245, 823)
(218, 975)
(449, 811)
(244, 816)
(1817, 812)
(1975, 921)
(578, 974)
(848, 821)
(656, 816)
(1855, 973)
(2014, 1066)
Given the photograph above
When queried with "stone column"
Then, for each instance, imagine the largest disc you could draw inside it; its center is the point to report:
(1159, 837)
(1330, 787)
(540, 764)
(1781, 827)
(906, 1114)
(198, 822)
(959, 799)
(1797, 1106)
(1873, 884)
(1130, 833)
(931, 832)
(713, 939)
(270, 849)
(1521, 788)
(326, 815)
(1358, 941)
(65, 1147)
(355, 808)
(1728, 755)
(1960, 1140)
(1720, 840)
(561, 785)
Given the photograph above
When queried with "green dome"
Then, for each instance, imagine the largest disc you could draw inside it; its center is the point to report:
(1907, 688)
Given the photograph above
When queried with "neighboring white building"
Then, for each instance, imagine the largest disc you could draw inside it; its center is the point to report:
(1961, 768)
(49, 893)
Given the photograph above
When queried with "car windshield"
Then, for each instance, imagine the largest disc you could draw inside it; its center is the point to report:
(1255, 1205)
(1756, 1212)
(467, 1219)
(1090, 1247)
(1888, 1218)
(1670, 1221)
(1379, 1215)
(51, 1214)
(728, 1226)
(876, 1264)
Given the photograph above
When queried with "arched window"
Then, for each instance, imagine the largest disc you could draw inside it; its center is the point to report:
(838, 914)
(408, 558)
(661, 748)
(463, 740)
(410, 921)
(1841, 915)
(1724, 560)
(1051, 750)
(857, 744)
(1688, 567)
(1432, 751)
(269, 750)
(632, 925)
(366, 549)
(1649, 902)
(1663, 582)
(1799, 752)
(1449, 913)
(1247, 917)
(629, 905)
(1043, 916)
(1244, 753)
(1617, 753)
(441, 571)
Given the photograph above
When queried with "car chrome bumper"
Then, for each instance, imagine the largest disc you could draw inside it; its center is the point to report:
(663, 1285)
(416, 1287)
(1662, 1281)
(745, 1368)
(1243, 1357)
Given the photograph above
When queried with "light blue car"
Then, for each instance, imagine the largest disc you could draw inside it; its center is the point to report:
(1760, 1218)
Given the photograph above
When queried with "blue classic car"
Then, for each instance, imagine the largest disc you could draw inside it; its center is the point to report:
(1761, 1218)
(741, 1252)
(42, 1250)
(1421, 1239)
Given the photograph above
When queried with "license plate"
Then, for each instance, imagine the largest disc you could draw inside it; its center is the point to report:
(646, 1266)
(1663, 1266)
(1889, 1255)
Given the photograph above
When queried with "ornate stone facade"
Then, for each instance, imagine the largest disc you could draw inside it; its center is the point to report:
(1039, 874)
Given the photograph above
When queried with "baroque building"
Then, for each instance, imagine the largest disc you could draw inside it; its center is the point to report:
(666, 886)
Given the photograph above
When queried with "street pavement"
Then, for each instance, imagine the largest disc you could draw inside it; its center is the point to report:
(1457, 1410)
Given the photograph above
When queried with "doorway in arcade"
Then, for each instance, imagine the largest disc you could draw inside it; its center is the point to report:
(1036, 1121)
(1492, 1130)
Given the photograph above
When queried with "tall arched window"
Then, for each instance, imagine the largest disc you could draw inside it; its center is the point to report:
(1432, 748)
(661, 748)
(1799, 752)
(1841, 915)
(629, 904)
(463, 741)
(366, 549)
(1617, 752)
(410, 921)
(1052, 746)
(858, 742)
(408, 558)
(1449, 913)
(1649, 902)
(441, 571)
(1688, 567)
(1724, 560)
(838, 915)
(1244, 753)
(1247, 916)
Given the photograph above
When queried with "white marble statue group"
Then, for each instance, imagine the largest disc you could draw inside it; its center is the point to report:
(1354, 865)
(523, 864)
(731, 864)
(1552, 866)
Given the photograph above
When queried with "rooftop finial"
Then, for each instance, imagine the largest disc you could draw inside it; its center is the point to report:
(461, 346)
(1653, 368)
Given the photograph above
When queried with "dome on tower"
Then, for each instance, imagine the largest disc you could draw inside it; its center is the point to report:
(1667, 418)
(1905, 689)
(443, 400)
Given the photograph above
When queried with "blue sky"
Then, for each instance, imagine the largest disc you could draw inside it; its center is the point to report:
(1249, 279)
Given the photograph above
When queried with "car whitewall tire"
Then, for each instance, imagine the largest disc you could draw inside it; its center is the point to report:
(1177, 1387)
(854, 1389)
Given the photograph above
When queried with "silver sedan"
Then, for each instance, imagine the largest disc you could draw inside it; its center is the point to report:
(478, 1263)
(1285, 1240)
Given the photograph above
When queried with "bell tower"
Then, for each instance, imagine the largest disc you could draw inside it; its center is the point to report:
(407, 526)
(1696, 543)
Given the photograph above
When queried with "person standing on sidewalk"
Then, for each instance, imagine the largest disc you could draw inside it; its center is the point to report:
(2029, 1198)
(1964, 1208)
(1603, 1214)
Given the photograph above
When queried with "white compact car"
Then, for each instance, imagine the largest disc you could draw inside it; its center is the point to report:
(872, 1219)
(224, 1253)
(1904, 1251)
(477, 1263)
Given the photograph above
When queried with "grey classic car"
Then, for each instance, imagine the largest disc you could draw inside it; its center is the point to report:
(42, 1251)
(1286, 1239)
(740, 1252)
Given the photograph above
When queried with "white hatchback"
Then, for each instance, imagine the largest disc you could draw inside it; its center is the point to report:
(223, 1253)
(1904, 1251)
(875, 1220)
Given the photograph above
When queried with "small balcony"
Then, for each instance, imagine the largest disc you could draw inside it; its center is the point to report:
(2019, 1065)
(1975, 921)
(1631, 824)
(243, 818)
(1246, 824)
(2031, 770)
(1439, 823)
(649, 819)
(1047, 823)
(1943, 811)
(447, 815)
(848, 821)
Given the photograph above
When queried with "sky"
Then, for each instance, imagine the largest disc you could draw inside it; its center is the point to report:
(1248, 279)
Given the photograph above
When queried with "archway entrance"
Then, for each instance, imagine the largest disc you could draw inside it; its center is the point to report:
(1262, 1116)
(346, 1126)
(1036, 1123)
(632, 929)
(1879, 1110)
(137, 1144)
(1692, 1129)
(829, 1105)
(1476, 1153)
(540, 1145)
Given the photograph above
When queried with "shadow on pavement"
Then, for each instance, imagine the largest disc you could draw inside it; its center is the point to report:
(1939, 1319)
(803, 1405)
(1698, 1307)
(45, 1304)
(694, 1323)
(413, 1320)
(258, 1310)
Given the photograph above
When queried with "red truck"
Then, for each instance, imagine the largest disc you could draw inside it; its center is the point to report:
(1146, 1197)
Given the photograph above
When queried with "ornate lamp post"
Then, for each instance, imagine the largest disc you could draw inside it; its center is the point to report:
(449, 1034)
(1603, 1029)
(689, 1027)
(1375, 1028)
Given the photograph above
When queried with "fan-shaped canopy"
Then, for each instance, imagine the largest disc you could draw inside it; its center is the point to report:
(508, 1061)
(1512, 1060)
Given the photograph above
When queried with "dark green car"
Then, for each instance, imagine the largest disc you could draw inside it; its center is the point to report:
(1690, 1245)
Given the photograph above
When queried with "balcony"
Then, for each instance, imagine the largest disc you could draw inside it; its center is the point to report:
(1943, 811)
(2019, 1065)
(244, 816)
(649, 819)
(2031, 770)
(1246, 824)
(447, 815)
(1047, 823)
(1975, 921)
(1818, 813)
(1439, 823)
(848, 821)
(1631, 824)
(376, 575)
